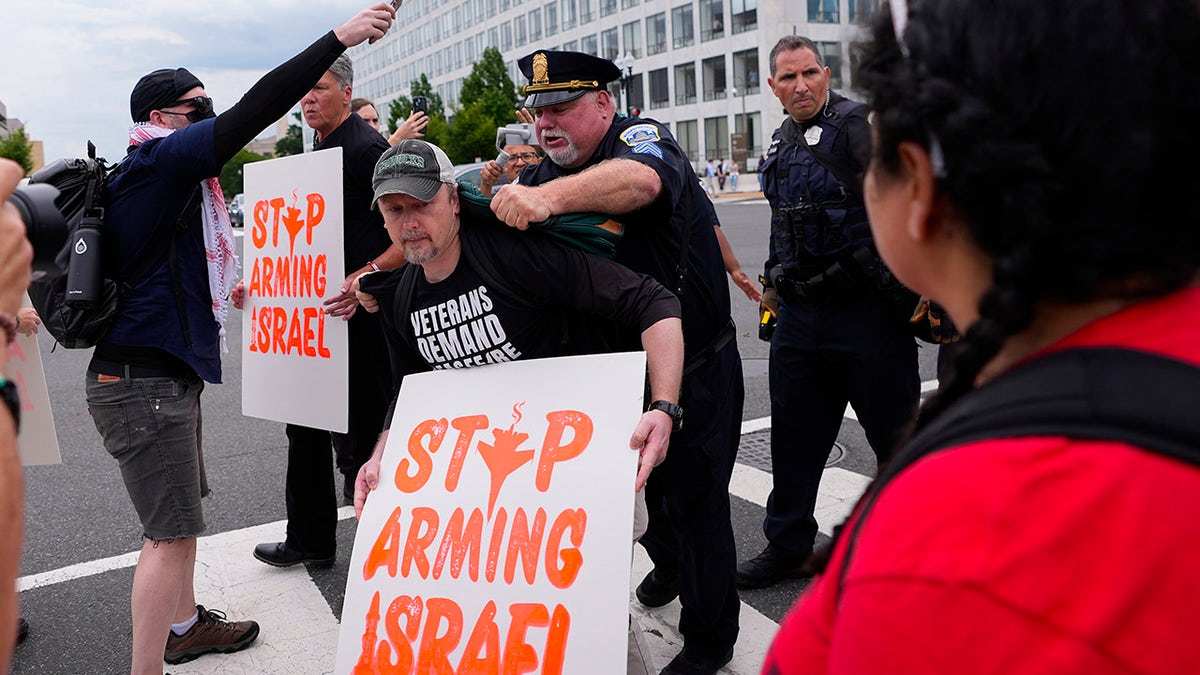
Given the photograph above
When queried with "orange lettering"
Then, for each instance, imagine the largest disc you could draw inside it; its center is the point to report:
(294, 338)
(435, 430)
(322, 350)
(256, 288)
(320, 270)
(365, 665)
(435, 648)
(519, 656)
(316, 211)
(258, 233)
(485, 637)
(493, 559)
(421, 533)
(278, 338)
(410, 609)
(502, 458)
(553, 450)
(466, 427)
(572, 559)
(556, 642)
(458, 543)
(525, 543)
(386, 548)
(310, 313)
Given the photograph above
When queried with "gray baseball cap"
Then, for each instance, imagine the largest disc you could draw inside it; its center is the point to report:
(412, 167)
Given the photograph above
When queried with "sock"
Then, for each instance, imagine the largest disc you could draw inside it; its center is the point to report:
(184, 626)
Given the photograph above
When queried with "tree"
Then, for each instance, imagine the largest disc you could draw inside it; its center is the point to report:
(17, 147)
(231, 173)
(473, 134)
(401, 107)
(489, 87)
(293, 142)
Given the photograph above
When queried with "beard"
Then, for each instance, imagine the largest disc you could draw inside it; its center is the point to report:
(418, 249)
(567, 157)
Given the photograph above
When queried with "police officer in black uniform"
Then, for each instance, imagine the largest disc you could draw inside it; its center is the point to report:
(842, 335)
(633, 169)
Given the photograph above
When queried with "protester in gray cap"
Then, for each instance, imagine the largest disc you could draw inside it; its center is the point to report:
(168, 237)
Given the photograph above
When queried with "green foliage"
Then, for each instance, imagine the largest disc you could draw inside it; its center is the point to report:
(473, 134)
(398, 109)
(17, 147)
(231, 173)
(489, 87)
(293, 142)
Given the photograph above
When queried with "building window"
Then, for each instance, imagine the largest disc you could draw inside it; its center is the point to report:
(688, 140)
(745, 72)
(587, 11)
(713, 72)
(551, 19)
(504, 5)
(506, 36)
(712, 19)
(609, 47)
(861, 10)
(608, 7)
(716, 137)
(535, 25)
(823, 11)
(660, 92)
(685, 84)
(568, 14)
(656, 34)
(743, 15)
(571, 46)
(631, 35)
(520, 34)
(637, 97)
(627, 4)
(588, 45)
(832, 53)
(751, 125)
(682, 26)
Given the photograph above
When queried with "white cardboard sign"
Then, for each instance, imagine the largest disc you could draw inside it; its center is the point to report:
(37, 440)
(295, 358)
(499, 539)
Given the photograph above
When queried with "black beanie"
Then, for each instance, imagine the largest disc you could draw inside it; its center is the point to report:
(159, 90)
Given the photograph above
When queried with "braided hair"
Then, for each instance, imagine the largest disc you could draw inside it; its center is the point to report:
(1056, 124)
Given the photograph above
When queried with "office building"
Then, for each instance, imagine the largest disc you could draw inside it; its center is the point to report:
(699, 66)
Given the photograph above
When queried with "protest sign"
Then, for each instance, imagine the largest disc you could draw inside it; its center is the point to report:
(37, 440)
(295, 358)
(499, 539)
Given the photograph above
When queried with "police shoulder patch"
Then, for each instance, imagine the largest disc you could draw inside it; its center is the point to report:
(640, 133)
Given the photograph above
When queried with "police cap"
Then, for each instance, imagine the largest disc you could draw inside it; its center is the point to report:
(557, 77)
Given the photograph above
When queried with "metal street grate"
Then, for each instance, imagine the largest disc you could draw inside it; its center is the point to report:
(755, 451)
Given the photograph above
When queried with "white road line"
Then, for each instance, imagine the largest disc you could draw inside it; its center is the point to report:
(839, 491)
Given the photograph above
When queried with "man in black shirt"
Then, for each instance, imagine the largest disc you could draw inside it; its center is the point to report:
(478, 293)
(311, 500)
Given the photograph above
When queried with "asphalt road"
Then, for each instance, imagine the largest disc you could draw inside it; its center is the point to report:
(78, 512)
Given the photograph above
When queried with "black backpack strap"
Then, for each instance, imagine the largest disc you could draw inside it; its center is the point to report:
(1099, 394)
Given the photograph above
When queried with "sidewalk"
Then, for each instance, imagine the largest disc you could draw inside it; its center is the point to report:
(747, 189)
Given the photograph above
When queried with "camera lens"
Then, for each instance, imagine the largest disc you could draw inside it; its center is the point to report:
(45, 226)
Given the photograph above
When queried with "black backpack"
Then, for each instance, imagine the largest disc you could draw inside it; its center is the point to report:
(1099, 394)
(80, 182)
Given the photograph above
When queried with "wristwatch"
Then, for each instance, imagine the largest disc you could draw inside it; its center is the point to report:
(8, 392)
(671, 409)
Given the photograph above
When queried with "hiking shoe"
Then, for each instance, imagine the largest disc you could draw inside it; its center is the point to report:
(770, 567)
(212, 633)
(280, 554)
(658, 588)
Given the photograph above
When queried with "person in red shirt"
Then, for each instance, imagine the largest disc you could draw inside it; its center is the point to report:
(1023, 177)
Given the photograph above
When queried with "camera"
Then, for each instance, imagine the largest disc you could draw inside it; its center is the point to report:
(512, 134)
(45, 226)
(421, 103)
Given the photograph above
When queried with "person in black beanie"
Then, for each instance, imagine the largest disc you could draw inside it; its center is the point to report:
(145, 377)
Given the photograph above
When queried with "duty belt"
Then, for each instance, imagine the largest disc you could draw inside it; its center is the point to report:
(699, 358)
(846, 277)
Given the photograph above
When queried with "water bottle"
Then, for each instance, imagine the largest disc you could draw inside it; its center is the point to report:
(84, 279)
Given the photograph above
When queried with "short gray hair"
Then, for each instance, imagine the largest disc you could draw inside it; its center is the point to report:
(790, 42)
(343, 71)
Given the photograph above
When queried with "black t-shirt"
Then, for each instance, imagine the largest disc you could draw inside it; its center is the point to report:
(363, 234)
(652, 239)
(526, 305)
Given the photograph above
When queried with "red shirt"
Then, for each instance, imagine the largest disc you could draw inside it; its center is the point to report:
(1036, 555)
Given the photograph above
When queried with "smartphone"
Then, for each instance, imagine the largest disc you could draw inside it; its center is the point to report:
(420, 103)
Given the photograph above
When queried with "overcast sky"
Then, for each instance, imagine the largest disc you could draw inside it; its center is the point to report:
(66, 68)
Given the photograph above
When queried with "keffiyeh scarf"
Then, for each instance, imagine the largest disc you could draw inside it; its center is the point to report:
(220, 253)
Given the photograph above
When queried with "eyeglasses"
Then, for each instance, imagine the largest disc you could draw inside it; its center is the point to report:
(899, 11)
(527, 156)
(203, 108)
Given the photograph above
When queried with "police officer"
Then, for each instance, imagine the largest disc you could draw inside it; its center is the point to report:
(842, 334)
(649, 185)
